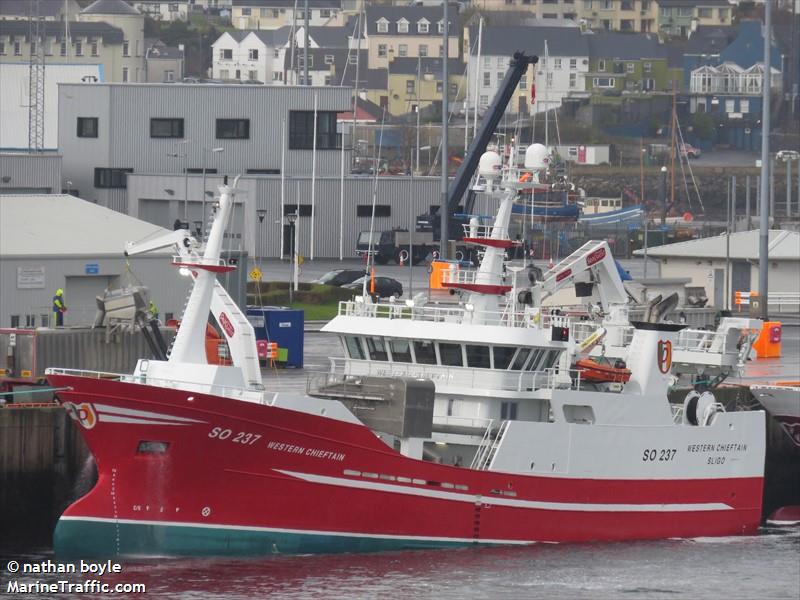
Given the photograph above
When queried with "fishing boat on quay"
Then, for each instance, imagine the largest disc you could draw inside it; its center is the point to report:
(200, 459)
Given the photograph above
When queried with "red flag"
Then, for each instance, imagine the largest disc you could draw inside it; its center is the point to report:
(533, 93)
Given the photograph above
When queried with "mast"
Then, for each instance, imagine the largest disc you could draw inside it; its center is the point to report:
(305, 49)
(763, 237)
(672, 166)
(443, 208)
(477, 79)
(546, 120)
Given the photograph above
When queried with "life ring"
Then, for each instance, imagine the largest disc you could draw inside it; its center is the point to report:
(525, 177)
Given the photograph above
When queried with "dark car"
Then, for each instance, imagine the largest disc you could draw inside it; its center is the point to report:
(384, 287)
(340, 277)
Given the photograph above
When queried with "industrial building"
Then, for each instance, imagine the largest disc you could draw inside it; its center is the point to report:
(704, 261)
(259, 224)
(59, 241)
(37, 173)
(107, 131)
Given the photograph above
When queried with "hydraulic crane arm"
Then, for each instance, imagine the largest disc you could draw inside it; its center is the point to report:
(517, 68)
(180, 238)
(593, 257)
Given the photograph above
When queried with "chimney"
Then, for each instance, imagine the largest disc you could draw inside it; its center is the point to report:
(650, 358)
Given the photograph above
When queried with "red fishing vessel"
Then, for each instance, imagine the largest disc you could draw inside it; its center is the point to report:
(195, 458)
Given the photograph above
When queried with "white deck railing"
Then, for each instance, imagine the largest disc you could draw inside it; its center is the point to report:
(463, 377)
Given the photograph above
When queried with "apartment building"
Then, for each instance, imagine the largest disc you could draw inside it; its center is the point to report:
(409, 32)
(681, 17)
(130, 65)
(631, 63)
(274, 14)
(560, 77)
(49, 10)
(249, 55)
(106, 131)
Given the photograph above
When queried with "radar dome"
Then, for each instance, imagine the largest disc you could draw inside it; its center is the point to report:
(489, 165)
(536, 157)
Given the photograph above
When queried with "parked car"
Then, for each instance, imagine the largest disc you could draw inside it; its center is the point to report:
(340, 277)
(384, 286)
(690, 151)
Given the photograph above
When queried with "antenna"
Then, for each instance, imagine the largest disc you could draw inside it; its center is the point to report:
(36, 79)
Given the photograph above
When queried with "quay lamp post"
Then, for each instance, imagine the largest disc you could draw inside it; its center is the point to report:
(291, 220)
(185, 157)
(212, 151)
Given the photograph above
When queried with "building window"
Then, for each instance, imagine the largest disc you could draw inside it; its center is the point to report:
(252, 75)
(438, 87)
(487, 79)
(723, 14)
(93, 47)
(549, 79)
(325, 13)
(78, 48)
(381, 210)
(63, 49)
(383, 26)
(304, 210)
(301, 61)
(111, 178)
(166, 128)
(573, 80)
(704, 13)
(441, 50)
(422, 26)
(402, 26)
(246, 12)
(601, 65)
(604, 82)
(33, 47)
(730, 106)
(523, 82)
(647, 67)
(252, 54)
(126, 48)
(169, 75)
(233, 129)
(276, 53)
(423, 50)
(382, 51)
(556, 63)
(402, 50)
(410, 85)
(124, 74)
(684, 11)
(499, 77)
(223, 73)
(441, 26)
(484, 101)
(263, 171)
(573, 63)
(87, 127)
(329, 59)
(301, 128)
(2, 48)
(225, 54)
(630, 67)
(744, 106)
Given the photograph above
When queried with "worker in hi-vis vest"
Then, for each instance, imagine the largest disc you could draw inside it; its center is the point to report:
(59, 308)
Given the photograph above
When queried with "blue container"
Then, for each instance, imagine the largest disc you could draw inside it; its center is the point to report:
(282, 325)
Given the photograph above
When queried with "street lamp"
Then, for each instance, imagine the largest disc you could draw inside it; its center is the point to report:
(185, 157)
(213, 150)
(290, 219)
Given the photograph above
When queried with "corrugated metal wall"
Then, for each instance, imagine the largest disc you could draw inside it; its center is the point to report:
(124, 113)
(30, 173)
(405, 196)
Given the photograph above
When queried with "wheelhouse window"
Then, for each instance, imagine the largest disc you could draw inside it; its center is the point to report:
(233, 129)
(354, 349)
(425, 352)
(87, 127)
(301, 130)
(450, 354)
(503, 356)
(376, 348)
(166, 128)
(478, 357)
(401, 350)
(521, 359)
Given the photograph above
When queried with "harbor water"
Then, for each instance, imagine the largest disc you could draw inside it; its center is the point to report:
(764, 566)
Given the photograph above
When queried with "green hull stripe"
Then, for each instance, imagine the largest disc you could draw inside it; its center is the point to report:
(89, 539)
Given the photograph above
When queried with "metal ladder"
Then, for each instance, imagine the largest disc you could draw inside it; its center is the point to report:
(244, 331)
(488, 447)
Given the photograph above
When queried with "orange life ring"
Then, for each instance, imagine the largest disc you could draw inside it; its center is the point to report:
(525, 177)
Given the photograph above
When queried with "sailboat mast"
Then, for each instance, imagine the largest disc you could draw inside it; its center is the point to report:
(672, 131)
(546, 120)
(444, 210)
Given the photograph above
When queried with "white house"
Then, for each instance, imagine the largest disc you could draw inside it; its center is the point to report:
(560, 77)
(249, 55)
(704, 261)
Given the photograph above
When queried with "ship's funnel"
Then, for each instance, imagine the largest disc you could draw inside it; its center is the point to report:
(650, 358)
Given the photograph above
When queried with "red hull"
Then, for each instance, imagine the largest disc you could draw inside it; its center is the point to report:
(288, 471)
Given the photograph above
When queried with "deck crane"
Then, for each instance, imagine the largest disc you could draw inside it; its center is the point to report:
(516, 69)
(237, 330)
